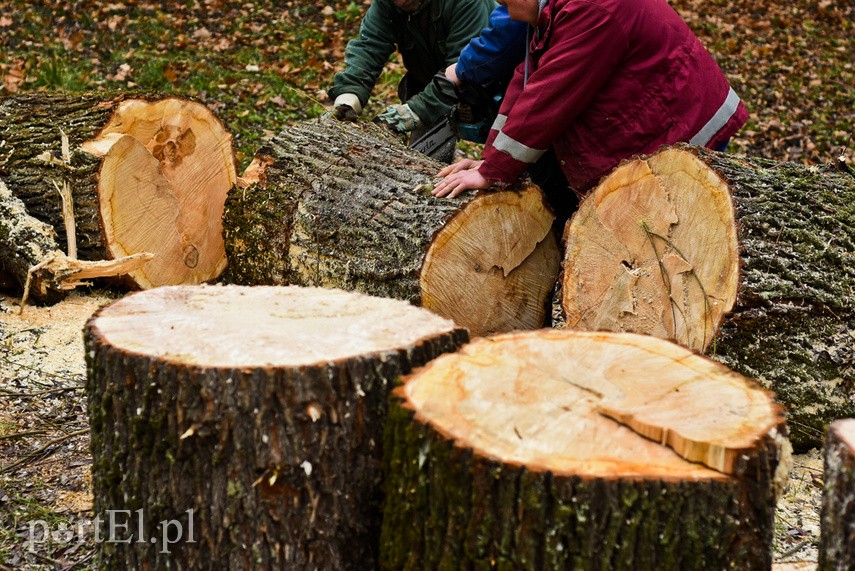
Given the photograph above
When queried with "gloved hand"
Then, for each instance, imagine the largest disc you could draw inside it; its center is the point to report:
(344, 113)
(346, 107)
(400, 118)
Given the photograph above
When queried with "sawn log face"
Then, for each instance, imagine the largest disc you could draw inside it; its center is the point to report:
(507, 454)
(792, 321)
(346, 205)
(261, 409)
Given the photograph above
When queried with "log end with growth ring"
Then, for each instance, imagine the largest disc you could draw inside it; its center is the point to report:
(167, 168)
(261, 409)
(563, 448)
(600, 404)
(494, 263)
(653, 249)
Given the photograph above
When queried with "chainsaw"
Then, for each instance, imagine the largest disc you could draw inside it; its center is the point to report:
(474, 108)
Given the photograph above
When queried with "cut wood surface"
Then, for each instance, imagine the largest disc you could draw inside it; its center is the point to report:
(654, 250)
(143, 176)
(347, 205)
(837, 523)
(261, 409)
(571, 449)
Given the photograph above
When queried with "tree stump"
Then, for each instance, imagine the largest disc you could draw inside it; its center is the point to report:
(654, 249)
(837, 523)
(577, 450)
(259, 409)
(142, 176)
(348, 206)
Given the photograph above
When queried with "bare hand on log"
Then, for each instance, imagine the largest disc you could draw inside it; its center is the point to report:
(460, 177)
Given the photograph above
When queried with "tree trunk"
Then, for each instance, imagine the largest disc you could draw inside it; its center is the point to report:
(343, 205)
(259, 409)
(143, 176)
(667, 262)
(837, 524)
(576, 450)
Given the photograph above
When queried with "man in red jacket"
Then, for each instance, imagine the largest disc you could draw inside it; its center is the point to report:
(603, 80)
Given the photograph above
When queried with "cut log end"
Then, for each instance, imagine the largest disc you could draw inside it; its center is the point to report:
(638, 249)
(290, 326)
(538, 449)
(492, 266)
(259, 406)
(167, 169)
(595, 404)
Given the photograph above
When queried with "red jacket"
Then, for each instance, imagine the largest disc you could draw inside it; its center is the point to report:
(609, 79)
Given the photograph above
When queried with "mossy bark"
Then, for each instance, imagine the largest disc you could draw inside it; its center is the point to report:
(793, 326)
(837, 523)
(32, 125)
(281, 466)
(448, 507)
(338, 205)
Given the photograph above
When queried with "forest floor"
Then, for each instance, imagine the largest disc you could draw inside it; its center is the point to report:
(260, 68)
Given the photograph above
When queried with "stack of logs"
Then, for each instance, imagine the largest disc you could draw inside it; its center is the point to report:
(749, 261)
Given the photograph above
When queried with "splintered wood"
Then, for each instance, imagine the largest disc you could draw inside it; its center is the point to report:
(129, 187)
(654, 250)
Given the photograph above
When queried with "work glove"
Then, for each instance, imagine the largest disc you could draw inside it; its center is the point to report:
(346, 107)
(399, 118)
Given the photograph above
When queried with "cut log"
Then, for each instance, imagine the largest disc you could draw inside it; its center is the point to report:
(837, 522)
(342, 205)
(144, 177)
(578, 450)
(260, 409)
(654, 250)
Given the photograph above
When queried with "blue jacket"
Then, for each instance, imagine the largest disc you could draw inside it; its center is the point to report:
(493, 56)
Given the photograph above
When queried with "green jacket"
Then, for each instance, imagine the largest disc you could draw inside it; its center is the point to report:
(429, 40)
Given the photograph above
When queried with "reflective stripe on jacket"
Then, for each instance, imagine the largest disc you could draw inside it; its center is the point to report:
(607, 80)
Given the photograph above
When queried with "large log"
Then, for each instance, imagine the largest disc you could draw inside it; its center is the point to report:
(578, 450)
(143, 177)
(837, 520)
(261, 409)
(341, 205)
(654, 250)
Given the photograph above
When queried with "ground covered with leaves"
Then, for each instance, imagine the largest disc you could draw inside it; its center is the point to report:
(261, 66)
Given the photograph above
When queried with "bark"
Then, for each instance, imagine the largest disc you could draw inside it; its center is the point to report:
(792, 323)
(837, 523)
(261, 409)
(144, 177)
(24, 243)
(342, 205)
(507, 455)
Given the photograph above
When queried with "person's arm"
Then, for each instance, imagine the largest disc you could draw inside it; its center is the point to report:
(366, 55)
(467, 20)
(492, 56)
(586, 48)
